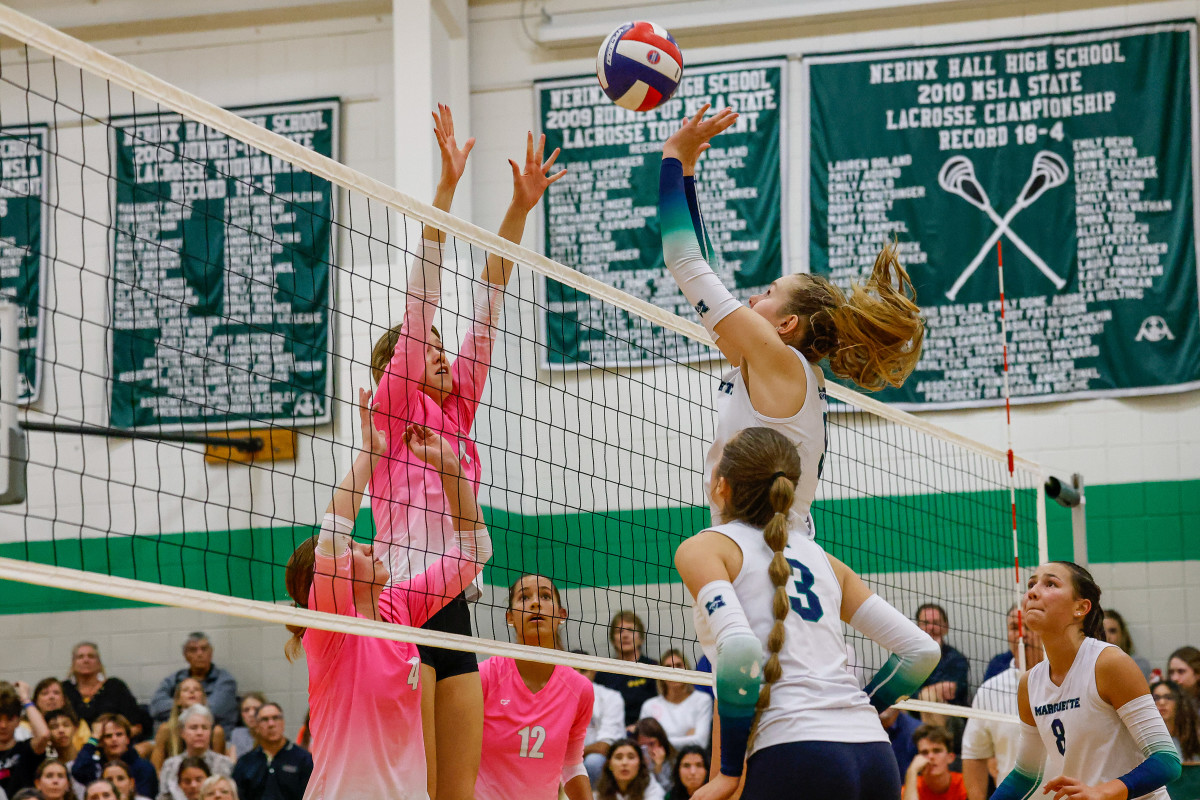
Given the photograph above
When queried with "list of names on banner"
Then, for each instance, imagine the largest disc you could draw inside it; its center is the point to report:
(22, 214)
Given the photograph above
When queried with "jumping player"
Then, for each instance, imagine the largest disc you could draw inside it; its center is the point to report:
(810, 731)
(418, 384)
(535, 715)
(1087, 716)
(364, 692)
(873, 338)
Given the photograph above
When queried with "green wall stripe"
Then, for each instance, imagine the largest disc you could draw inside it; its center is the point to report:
(1153, 521)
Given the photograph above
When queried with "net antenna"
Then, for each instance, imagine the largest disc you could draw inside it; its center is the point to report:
(13, 453)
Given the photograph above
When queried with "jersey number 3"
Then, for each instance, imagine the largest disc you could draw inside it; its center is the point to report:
(536, 736)
(804, 600)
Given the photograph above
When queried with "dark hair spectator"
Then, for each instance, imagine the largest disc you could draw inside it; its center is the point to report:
(101, 789)
(1183, 667)
(20, 759)
(195, 728)
(63, 726)
(950, 677)
(193, 772)
(91, 692)
(627, 634)
(111, 740)
(1117, 632)
(929, 774)
(241, 738)
(690, 773)
(28, 793)
(121, 777)
(657, 747)
(626, 776)
(685, 714)
(275, 769)
(167, 740)
(53, 780)
(219, 686)
(1183, 723)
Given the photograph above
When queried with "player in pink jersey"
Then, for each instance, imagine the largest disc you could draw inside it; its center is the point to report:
(535, 715)
(364, 693)
(418, 384)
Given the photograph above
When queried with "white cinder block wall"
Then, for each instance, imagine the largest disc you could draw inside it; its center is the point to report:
(1109, 441)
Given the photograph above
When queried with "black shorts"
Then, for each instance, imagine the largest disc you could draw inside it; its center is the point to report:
(455, 617)
(847, 771)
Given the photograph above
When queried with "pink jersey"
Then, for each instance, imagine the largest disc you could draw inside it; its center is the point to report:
(364, 693)
(529, 738)
(412, 525)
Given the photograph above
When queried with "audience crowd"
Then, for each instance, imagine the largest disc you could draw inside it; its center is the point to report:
(85, 737)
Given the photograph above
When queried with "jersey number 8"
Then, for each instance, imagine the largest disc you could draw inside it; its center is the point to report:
(803, 599)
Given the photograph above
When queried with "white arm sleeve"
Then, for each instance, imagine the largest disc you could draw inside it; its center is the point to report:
(573, 771)
(425, 275)
(475, 544)
(335, 538)
(1031, 753)
(487, 299)
(1146, 725)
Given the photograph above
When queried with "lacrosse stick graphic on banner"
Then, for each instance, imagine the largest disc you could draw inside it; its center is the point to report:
(957, 176)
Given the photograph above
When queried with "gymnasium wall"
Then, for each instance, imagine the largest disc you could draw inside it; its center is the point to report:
(1138, 456)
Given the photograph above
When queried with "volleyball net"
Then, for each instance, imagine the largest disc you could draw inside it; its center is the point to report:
(199, 290)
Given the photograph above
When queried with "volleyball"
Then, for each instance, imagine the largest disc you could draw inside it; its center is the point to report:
(639, 65)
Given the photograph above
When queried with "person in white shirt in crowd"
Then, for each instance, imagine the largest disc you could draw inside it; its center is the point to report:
(989, 747)
(607, 725)
(685, 714)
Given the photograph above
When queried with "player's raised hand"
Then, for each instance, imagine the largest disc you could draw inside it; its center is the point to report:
(530, 181)
(431, 448)
(374, 440)
(695, 133)
(454, 158)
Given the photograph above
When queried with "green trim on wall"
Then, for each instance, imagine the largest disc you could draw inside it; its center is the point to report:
(1153, 521)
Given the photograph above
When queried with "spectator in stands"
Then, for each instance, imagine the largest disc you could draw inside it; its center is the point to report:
(1180, 717)
(241, 738)
(92, 693)
(657, 747)
(49, 698)
(627, 633)
(101, 789)
(989, 747)
(219, 686)
(929, 776)
(1117, 632)
(117, 773)
(53, 780)
(111, 737)
(193, 772)
(168, 741)
(61, 723)
(1002, 661)
(952, 674)
(900, 728)
(275, 769)
(691, 772)
(606, 726)
(218, 787)
(28, 793)
(1183, 667)
(684, 713)
(195, 728)
(626, 776)
(19, 760)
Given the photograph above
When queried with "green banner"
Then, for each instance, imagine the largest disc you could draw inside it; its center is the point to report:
(1074, 155)
(22, 237)
(221, 273)
(602, 217)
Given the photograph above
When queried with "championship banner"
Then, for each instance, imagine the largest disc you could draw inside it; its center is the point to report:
(1074, 153)
(22, 244)
(221, 276)
(602, 217)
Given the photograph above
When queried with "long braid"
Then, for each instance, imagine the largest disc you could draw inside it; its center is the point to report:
(775, 533)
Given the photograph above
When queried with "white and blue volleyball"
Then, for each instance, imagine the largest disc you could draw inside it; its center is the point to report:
(639, 65)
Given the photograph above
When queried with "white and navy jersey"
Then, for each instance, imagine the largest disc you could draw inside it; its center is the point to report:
(806, 429)
(1084, 737)
(816, 698)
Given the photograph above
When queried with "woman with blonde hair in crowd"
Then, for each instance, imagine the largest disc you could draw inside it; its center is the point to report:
(91, 692)
(684, 713)
(626, 775)
(218, 787)
(195, 729)
(168, 741)
(808, 728)
(119, 775)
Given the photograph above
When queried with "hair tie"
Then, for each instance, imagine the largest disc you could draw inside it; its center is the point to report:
(777, 475)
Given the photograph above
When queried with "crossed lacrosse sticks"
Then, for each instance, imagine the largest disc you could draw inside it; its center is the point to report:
(957, 176)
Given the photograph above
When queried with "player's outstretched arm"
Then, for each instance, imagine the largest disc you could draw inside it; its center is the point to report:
(347, 497)
(454, 164)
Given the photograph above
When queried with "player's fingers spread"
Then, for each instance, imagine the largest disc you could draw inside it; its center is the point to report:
(470, 145)
(556, 176)
(516, 170)
(700, 114)
(550, 161)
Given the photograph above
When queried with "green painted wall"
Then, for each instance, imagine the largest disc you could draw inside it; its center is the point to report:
(968, 530)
